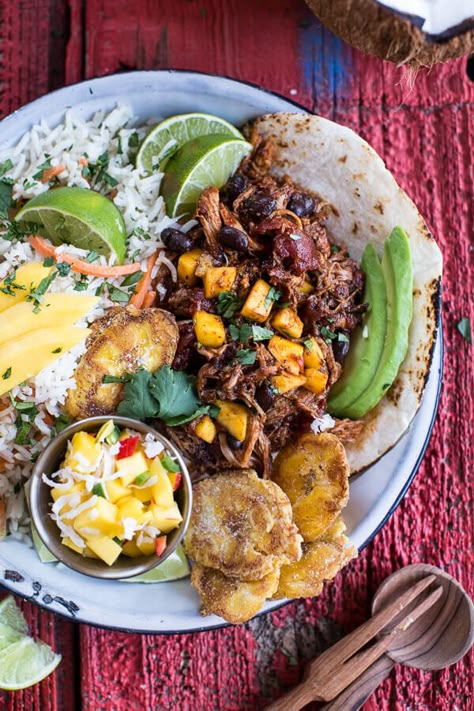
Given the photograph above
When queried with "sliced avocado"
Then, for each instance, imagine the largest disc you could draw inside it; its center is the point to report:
(398, 272)
(365, 353)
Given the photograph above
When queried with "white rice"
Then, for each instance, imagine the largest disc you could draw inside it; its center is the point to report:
(138, 199)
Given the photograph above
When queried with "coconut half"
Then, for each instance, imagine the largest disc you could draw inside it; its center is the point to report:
(377, 30)
(438, 17)
(337, 164)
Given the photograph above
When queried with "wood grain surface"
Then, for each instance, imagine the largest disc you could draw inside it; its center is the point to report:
(423, 128)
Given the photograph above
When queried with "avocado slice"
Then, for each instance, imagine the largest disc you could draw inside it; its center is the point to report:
(398, 272)
(365, 353)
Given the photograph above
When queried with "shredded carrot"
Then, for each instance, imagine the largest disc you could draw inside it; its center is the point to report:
(144, 284)
(83, 161)
(149, 299)
(50, 173)
(46, 249)
(48, 419)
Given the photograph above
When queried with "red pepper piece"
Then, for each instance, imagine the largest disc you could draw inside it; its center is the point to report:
(175, 479)
(127, 447)
(160, 545)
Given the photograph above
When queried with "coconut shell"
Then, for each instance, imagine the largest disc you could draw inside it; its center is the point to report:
(376, 30)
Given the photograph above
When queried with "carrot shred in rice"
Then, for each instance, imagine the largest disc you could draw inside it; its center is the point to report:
(143, 285)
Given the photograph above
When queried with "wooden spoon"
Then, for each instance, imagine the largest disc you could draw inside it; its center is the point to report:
(435, 641)
(421, 617)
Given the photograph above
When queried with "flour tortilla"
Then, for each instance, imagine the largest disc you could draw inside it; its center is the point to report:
(335, 163)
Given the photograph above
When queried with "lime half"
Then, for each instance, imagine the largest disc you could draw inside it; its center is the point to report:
(173, 568)
(77, 216)
(172, 133)
(23, 662)
(200, 163)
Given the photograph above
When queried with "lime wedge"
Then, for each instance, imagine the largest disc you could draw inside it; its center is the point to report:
(200, 163)
(173, 568)
(23, 662)
(44, 553)
(172, 133)
(77, 216)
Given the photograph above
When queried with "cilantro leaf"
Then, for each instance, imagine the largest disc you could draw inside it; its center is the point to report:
(6, 166)
(137, 400)
(228, 304)
(6, 191)
(246, 357)
(273, 295)
(464, 328)
(175, 392)
(327, 334)
(259, 333)
(118, 295)
(309, 345)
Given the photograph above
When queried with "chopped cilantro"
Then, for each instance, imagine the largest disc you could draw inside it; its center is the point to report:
(464, 328)
(273, 295)
(228, 304)
(240, 333)
(132, 279)
(57, 350)
(98, 490)
(259, 333)
(63, 268)
(107, 379)
(327, 334)
(48, 262)
(92, 257)
(82, 283)
(61, 423)
(36, 295)
(41, 168)
(133, 140)
(100, 289)
(309, 345)
(335, 249)
(7, 373)
(6, 191)
(5, 166)
(118, 295)
(246, 357)
(23, 429)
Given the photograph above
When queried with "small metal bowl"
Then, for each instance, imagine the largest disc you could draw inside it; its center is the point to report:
(40, 504)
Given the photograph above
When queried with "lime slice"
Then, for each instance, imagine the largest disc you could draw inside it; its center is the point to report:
(200, 163)
(26, 662)
(173, 568)
(8, 635)
(44, 553)
(12, 616)
(77, 216)
(172, 133)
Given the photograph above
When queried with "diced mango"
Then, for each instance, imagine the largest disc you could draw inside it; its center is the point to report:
(55, 309)
(131, 507)
(209, 329)
(166, 519)
(313, 355)
(131, 549)
(287, 381)
(28, 276)
(288, 322)
(70, 544)
(289, 354)
(83, 452)
(79, 487)
(205, 429)
(315, 380)
(103, 517)
(103, 546)
(143, 494)
(131, 467)
(116, 490)
(218, 279)
(146, 547)
(187, 264)
(258, 305)
(233, 417)
(306, 287)
(24, 357)
(162, 490)
(175, 479)
(89, 553)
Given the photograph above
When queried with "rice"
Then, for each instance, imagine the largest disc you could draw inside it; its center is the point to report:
(70, 144)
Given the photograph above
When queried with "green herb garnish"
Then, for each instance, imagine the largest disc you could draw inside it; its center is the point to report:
(464, 328)
(63, 268)
(273, 295)
(259, 333)
(48, 261)
(41, 168)
(7, 374)
(57, 350)
(170, 465)
(141, 478)
(6, 166)
(118, 295)
(228, 304)
(98, 490)
(132, 279)
(246, 357)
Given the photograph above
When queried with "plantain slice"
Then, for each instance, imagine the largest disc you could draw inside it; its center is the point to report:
(232, 599)
(241, 525)
(313, 472)
(123, 341)
(320, 562)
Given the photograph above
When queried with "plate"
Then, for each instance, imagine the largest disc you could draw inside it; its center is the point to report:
(168, 608)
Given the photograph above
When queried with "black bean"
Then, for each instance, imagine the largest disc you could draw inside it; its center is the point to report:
(235, 185)
(233, 442)
(258, 206)
(233, 238)
(176, 241)
(265, 396)
(301, 204)
(340, 350)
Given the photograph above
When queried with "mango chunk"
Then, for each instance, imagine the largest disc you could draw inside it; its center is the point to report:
(102, 517)
(288, 353)
(205, 429)
(104, 547)
(56, 309)
(313, 355)
(162, 490)
(26, 356)
(166, 519)
(233, 417)
(79, 487)
(131, 467)
(83, 452)
(287, 381)
(218, 279)
(258, 304)
(209, 329)
(288, 322)
(187, 264)
(70, 544)
(146, 547)
(27, 275)
(116, 490)
(315, 380)
(306, 287)
(131, 549)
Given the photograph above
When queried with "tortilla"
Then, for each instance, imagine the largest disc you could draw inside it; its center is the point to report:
(339, 166)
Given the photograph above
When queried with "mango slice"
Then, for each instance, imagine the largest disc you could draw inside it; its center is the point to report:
(26, 276)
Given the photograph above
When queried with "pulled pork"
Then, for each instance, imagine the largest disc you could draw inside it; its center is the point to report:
(273, 231)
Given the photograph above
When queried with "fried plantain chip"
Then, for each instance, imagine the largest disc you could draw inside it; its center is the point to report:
(313, 472)
(232, 599)
(320, 562)
(123, 341)
(241, 525)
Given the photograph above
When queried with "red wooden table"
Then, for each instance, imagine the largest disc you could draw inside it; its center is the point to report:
(423, 128)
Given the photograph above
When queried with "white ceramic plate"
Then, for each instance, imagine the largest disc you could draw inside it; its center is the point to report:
(174, 607)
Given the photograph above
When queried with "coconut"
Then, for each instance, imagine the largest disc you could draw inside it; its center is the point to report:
(377, 30)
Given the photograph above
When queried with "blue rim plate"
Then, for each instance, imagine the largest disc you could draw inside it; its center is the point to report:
(169, 608)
